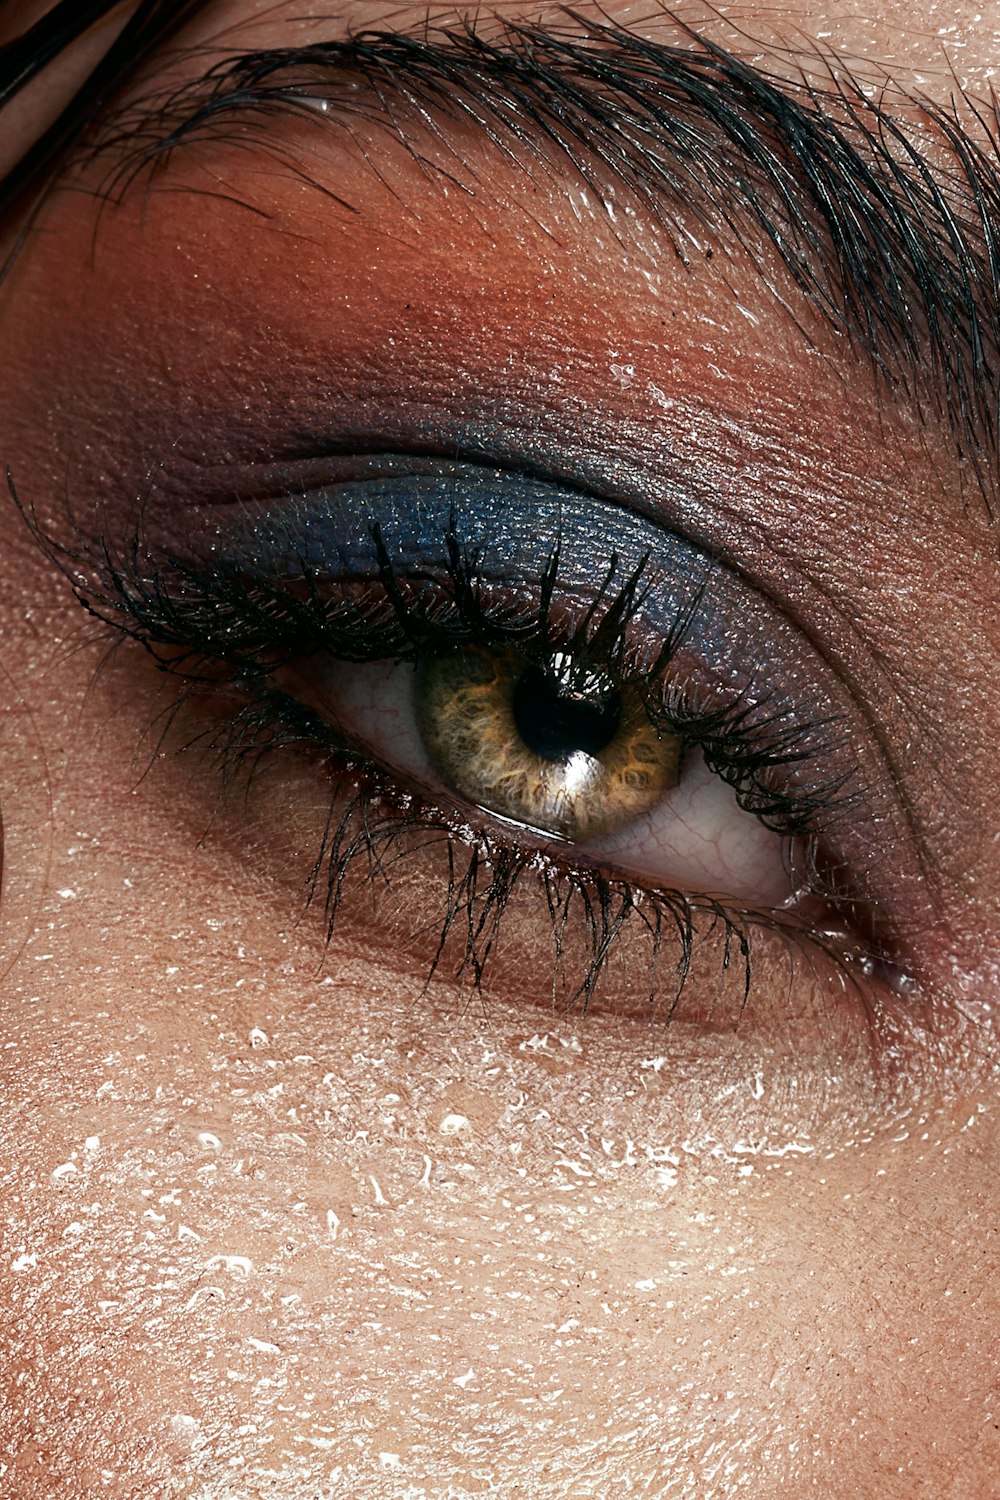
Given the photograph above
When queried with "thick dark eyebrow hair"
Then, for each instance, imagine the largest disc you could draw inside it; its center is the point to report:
(883, 216)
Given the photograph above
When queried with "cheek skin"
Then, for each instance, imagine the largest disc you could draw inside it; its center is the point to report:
(278, 1224)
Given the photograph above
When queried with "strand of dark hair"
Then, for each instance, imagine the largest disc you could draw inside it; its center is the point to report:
(24, 58)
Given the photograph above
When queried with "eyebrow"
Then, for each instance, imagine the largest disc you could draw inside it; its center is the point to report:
(886, 227)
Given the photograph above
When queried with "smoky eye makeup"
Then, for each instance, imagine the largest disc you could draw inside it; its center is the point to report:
(561, 717)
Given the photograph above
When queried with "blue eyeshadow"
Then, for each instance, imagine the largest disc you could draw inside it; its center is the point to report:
(510, 524)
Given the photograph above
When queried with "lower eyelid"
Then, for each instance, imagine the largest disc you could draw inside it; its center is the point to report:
(415, 891)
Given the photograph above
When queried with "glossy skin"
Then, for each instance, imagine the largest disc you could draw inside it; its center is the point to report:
(291, 1224)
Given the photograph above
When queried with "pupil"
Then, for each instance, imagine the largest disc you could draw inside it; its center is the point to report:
(555, 722)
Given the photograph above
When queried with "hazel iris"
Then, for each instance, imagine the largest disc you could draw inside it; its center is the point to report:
(551, 742)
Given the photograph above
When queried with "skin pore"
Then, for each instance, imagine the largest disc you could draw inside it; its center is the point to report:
(286, 1218)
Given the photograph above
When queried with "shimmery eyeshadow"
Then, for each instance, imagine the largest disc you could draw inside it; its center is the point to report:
(507, 532)
(504, 519)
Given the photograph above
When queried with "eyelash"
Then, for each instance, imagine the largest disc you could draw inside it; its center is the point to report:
(222, 635)
(191, 624)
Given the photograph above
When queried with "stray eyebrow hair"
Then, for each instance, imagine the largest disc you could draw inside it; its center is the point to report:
(896, 249)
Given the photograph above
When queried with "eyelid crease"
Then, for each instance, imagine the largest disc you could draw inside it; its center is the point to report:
(891, 249)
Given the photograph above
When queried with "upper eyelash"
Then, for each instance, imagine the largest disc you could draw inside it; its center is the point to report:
(734, 737)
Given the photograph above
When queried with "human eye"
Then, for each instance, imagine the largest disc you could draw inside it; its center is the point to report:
(500, 891)
(533, 710)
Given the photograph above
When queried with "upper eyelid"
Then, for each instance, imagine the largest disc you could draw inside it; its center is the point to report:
(890, 244)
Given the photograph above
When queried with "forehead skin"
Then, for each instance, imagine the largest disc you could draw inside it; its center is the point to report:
(946, 45)
(285, 1226)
